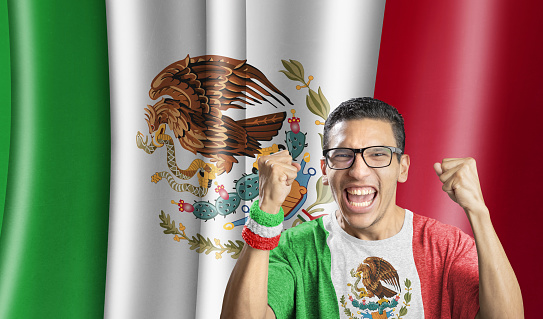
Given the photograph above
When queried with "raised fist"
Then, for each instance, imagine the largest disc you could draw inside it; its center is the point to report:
(277, 172)
(461, 182)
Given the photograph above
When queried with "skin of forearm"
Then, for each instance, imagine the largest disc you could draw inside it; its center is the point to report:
(497, 280)
(246, 294)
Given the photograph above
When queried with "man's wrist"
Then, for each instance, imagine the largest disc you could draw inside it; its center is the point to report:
(477, 212)
(479, 218)
(268, 207)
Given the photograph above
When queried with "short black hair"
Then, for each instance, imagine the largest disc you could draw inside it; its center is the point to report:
(366, 108)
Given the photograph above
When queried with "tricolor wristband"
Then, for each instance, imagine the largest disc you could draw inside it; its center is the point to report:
(263, 230)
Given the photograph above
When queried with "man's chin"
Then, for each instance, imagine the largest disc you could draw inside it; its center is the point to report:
(357, 221)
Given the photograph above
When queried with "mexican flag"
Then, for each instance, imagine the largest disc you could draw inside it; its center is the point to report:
(131, 130)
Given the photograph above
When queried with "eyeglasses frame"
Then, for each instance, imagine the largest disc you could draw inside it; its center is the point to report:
(361, 151)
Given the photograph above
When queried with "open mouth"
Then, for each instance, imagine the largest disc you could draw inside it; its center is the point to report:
(361, 196)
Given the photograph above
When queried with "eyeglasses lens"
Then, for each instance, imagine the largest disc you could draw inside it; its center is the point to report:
(340, 158)
(377, 156)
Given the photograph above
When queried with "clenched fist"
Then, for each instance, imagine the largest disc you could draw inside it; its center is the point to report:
(461, 182)
(276, 172)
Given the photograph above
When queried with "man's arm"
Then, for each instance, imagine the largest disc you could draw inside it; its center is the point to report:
(246, 294)
(497, 280)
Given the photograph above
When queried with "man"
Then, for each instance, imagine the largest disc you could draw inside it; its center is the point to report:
(370, 258)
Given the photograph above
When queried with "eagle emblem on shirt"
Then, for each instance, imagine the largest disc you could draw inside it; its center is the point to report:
(374, 271)
(376, 291)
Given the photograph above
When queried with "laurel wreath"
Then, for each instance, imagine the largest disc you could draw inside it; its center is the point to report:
(199, 243)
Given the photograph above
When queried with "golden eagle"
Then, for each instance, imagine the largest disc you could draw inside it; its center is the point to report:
(195, 92)
(374, 270)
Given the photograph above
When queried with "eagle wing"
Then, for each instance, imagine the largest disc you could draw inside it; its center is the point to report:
(212, 81)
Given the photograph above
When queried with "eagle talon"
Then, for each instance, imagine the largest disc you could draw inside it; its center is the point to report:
(363, 293)
(380, 302)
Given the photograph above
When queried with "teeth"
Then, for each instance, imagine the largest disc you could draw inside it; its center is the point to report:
(362, 204)
(358, 191)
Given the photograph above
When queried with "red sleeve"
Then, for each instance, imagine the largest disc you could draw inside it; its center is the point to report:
(464, 278)
(446, 261)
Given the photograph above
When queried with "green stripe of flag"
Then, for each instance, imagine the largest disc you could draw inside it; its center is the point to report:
(54, 237)
(5, 103)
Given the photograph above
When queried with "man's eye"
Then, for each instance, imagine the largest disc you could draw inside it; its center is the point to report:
(342, 156)
(380, 155)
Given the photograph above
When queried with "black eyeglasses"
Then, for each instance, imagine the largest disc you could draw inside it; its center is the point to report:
(373, 156)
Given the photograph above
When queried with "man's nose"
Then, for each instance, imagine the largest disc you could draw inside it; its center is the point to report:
(359, 167)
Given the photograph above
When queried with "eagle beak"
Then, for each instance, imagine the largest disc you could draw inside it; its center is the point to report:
(159, 135)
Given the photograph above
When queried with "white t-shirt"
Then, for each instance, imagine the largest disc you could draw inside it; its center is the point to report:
(374, 279)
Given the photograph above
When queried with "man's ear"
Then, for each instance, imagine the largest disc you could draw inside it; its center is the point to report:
(323, 169)
(405, 161)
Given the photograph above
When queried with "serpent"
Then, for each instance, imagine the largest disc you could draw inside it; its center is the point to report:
(358, 292)
(207, 171)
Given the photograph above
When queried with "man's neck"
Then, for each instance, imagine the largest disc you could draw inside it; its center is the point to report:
(386, 227)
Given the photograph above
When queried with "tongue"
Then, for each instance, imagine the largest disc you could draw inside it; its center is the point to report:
(360, 198)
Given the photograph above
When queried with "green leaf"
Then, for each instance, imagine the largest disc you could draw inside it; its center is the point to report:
(163, 217)
(313, 104)
(342, 299)
(403, 311)
(169, 227)
(325, 103)
(317, 103)
(407, 297)
(299, 69)
(407, 283)
(288, 66)
(295, 70)
(193, 245)
(196, 243)
(234, 248)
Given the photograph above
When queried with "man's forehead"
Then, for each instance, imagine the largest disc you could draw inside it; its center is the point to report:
(377, 124)
(376, 130)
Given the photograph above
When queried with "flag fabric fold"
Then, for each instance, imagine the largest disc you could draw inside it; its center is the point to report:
(54, 233)
(5, 107)
(181, 185)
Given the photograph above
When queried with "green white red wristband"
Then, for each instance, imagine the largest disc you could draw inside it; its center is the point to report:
(265, 219)
(262, 230)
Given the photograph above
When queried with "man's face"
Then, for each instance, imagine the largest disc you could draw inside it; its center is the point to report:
(364, 195)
